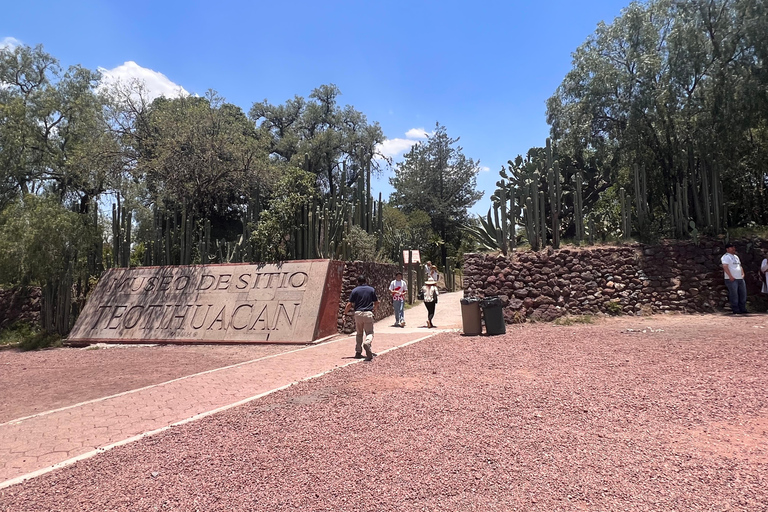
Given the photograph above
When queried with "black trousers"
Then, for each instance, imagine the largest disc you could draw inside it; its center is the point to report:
(430, 310)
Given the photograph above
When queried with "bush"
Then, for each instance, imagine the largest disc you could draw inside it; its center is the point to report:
(26, 337)
(613, 308)
(570, 320)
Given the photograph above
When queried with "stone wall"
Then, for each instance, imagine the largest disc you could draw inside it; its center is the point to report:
(19, 305)
(379, 275)
(632, 279)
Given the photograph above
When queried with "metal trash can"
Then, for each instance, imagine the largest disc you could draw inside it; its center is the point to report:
(470, 316)
(494, 316)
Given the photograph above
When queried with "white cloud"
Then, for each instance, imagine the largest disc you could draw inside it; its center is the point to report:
(395, 147)
(484, 169)
(417, 133)
(156, 84)
(9, 42)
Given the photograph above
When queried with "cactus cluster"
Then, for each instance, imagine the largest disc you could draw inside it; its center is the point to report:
(320, 230)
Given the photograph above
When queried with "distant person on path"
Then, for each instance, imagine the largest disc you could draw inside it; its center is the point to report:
(428, 270)
(434, 274)
(764, 274)
(430, 299)
(734, 280)
(399, 288)
(365, 303)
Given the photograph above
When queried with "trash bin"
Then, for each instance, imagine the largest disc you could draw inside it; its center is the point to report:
(470, 316)
(494, 316)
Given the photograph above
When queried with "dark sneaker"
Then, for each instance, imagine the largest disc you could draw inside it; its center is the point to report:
(358, 355)
(368, 352)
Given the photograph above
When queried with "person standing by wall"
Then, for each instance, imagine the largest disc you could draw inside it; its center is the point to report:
(430, 299)
(764, 273)
(399, 288)
(734, 280)
(364, 302)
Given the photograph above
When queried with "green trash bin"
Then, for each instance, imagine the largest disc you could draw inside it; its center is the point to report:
(470, 316)
(494, 316)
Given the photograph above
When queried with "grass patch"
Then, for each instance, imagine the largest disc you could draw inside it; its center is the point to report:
(613, 308)
(748, 232)
(26, 337)
(576, 319)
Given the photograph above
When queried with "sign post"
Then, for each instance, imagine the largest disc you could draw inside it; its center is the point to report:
(411, 257)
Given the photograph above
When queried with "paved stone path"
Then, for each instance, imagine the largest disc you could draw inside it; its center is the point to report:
(36, 444)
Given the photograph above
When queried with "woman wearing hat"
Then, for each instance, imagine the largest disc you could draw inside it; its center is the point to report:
(430, 299)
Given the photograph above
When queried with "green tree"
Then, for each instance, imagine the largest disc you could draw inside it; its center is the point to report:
(339, 142)
(271, 234)
(201, 154)
(53, 132)
(409, 231)
(436, 177)
(44, 244)
(674, 86)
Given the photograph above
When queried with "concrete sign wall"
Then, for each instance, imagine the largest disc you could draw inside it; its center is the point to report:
(291, 302)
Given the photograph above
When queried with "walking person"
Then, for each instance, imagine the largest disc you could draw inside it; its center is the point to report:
(427, 269)
(430, 299)
(398, 288)
(734, 280)
(434, 274)
(764, 274)
(364, 302)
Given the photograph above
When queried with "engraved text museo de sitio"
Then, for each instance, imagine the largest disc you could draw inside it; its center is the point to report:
(185, 319)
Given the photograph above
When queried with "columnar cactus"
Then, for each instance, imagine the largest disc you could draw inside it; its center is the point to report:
(578, 207)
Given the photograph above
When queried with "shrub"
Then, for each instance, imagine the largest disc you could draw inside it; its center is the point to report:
(578, 319)
(26, 337)
(613, 308)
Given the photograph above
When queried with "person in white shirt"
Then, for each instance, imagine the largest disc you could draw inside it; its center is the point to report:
(430, 299)
(734, 280)
(434, 274)
(399, 288)
(764, 274)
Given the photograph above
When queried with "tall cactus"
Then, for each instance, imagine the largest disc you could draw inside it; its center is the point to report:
(531, 223)
(504, 220)
(555, 194)
(641, 197)
(578, 207)
(626, 213)
(121, 235)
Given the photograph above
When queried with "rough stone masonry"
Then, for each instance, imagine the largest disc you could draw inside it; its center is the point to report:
(631, 279)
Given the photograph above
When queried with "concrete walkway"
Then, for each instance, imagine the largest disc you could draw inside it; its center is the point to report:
(40, 443)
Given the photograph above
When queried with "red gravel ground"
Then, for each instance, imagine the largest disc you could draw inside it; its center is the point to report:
(55, 378)
(662, 413)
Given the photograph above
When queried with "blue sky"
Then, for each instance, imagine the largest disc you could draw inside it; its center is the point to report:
(482, 69)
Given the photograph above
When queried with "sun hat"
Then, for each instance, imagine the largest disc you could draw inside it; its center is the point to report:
(430, 281)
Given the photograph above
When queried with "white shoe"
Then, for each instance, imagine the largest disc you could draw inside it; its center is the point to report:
(402, 323)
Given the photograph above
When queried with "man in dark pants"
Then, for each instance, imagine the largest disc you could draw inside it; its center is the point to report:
(365, 303)
(734, 280)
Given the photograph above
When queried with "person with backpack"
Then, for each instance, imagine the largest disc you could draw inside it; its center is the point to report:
(430, 294)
